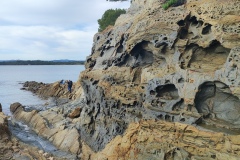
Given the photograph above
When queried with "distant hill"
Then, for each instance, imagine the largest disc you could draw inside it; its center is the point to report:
(40, 62)
(64, 60)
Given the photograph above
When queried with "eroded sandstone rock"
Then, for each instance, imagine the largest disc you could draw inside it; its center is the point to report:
(165, 140)
(153, 84)
(178, 65)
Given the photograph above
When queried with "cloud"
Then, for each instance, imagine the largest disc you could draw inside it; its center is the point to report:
(46, 41)
(56, 29)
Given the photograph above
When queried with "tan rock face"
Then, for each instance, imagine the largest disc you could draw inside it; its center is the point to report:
(164, 140)
(178, 65)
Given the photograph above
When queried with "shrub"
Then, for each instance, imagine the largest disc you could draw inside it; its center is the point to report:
(174, 3)
(109, 18)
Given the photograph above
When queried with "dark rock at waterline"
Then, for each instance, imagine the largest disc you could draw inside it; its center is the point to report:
(15, 106)
(0, 107)
(33, 86)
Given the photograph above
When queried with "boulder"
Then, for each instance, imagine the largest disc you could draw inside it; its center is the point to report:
(15, 106)
(75, 113)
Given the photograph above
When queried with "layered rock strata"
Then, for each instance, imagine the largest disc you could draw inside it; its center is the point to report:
(160, 84)
(50, 125)
(11, 148)
(159, 140)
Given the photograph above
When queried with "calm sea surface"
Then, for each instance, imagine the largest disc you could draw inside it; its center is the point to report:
(12, 76)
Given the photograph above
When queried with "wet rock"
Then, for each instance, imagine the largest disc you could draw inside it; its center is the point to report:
(50, 125)
(0, 107)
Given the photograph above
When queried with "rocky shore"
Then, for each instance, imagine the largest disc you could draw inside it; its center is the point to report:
(12, 148)
(160, 84)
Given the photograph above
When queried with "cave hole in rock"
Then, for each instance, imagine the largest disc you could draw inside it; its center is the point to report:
(109, 33)
(168, 92)
(160, 116)
(89, 59)
(167, 118)
(183, 33)
(120, 48)
(206, 29)
(165, 38)
(181, 23)
(209, 59)
(152, 92)
(178, 106)
(181, 80)
(215, 98)
(122, 60)
(164, 48)
(101, 53)
(193, 21)
(141, 55)
(182, 119)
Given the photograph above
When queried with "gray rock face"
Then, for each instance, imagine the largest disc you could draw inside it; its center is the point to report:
(215, 99)
(177, 65)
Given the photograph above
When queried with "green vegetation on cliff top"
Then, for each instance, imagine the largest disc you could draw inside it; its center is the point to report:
(174, 3)
(109, 18)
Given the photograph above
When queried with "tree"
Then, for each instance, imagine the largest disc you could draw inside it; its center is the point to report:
(109, 18)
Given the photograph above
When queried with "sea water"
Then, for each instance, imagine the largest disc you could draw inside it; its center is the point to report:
(12, 77)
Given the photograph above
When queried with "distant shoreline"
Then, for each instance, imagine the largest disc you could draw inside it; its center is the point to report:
(39, 62)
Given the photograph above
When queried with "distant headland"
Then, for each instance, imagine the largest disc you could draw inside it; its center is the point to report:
(41, 62)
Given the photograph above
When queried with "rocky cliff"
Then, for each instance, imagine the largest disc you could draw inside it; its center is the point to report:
(160, 84)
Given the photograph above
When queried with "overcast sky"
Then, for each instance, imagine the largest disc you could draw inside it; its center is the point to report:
(50, 29)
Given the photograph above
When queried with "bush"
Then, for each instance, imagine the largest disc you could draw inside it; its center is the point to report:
(174, 3)
(109, 18)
